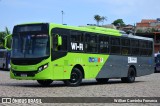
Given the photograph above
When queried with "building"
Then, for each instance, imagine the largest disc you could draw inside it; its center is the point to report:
(109, 26)
(150, 28)
(128, 29)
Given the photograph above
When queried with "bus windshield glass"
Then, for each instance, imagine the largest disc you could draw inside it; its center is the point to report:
(26, 45)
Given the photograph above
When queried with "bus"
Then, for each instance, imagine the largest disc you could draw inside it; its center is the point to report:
(47, 52)
(4, 59)
(157, 62)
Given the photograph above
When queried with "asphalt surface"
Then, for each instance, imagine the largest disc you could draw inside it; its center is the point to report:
(145, 86)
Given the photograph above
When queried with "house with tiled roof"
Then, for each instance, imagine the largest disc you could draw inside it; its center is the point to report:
(150, 28)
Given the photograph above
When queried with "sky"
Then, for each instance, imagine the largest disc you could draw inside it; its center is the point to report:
(76, 12)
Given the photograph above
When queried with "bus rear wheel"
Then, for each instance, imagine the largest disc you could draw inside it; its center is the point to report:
(75, 78)
(131, 76)
(102, 80)
(3, 66)
(45, 82)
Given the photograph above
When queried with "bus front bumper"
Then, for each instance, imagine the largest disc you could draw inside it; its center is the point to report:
(31, 75)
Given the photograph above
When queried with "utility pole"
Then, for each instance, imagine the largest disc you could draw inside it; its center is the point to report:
(62, 16)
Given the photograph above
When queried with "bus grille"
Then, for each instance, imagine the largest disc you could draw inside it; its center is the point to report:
(27, 73)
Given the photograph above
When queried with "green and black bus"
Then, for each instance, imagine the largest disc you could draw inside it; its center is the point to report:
(46, 52)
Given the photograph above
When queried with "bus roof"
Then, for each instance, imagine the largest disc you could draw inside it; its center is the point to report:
(137, 37)
(94, 29)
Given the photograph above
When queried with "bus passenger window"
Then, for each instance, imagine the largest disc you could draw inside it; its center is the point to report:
(91, 43)
(63, 47)
(103, 44)
(55, 42)
(125, 51)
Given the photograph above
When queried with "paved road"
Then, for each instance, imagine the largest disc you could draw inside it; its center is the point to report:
(145, 86)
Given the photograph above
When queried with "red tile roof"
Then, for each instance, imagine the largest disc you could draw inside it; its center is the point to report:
(148, 21)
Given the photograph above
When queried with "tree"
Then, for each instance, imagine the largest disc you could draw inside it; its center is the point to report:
(103, 18)
(7, 31)
(97, 18)
(3, 34)
(119, 23)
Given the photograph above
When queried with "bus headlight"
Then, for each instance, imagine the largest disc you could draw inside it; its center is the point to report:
(42, 67)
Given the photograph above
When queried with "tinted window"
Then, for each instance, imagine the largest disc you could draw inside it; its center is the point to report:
(125, 42)
(143, 52)
(31, 28)
(150, 44)
(115, 41)
(125, 46)
(91, 43)
(125, 50)
(63, 33)
(115, 45)
(145, 48)
(143, 44)
(134, 43)
(103, 44)
(135, 51)
(115, 49)
(77, 41)
(76, 36)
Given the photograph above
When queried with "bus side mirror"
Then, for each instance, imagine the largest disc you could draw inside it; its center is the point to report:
(7, 42)
(59, 40)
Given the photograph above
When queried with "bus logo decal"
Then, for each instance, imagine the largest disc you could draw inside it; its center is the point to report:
(95, 59)
(100, 60)
(76, 46)
(132, 59)
(91, 59)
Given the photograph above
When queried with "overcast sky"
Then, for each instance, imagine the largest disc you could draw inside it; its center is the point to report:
(76, 12)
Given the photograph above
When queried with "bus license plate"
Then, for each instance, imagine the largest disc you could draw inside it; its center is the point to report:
(23, 75)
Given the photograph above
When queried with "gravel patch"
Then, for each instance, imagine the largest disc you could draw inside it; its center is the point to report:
(145, 86)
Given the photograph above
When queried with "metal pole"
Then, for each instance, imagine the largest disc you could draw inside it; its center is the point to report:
(62, 16)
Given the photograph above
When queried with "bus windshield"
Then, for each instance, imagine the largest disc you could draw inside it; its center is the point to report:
(26, 45)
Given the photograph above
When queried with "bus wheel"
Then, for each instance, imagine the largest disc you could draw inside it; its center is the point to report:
(131, 76)
(45, 82)
(75, 78)
(3, 66)
(102, 80)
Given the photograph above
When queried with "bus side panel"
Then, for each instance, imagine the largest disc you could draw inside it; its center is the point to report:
(117, 66)
(58, 69)
(91, 64)
(145, 66)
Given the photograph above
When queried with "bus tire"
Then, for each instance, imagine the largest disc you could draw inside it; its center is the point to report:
(130, 77)
(102, 80)
(75, 78)
(45, 82)
(3, 66)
